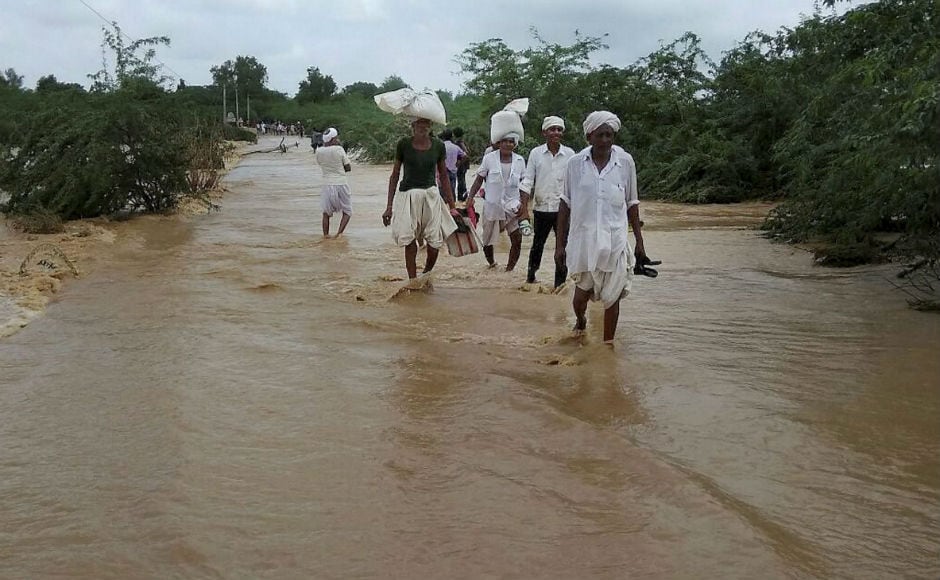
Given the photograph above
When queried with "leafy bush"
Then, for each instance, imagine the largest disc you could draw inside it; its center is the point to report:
(105, 153)
(233, 133)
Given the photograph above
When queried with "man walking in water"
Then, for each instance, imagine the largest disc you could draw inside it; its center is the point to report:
(544, 175)
(599, 197)
(335, 165)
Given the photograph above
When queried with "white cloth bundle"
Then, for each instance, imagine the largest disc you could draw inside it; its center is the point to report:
(419, 105)
(598, 118)
(329, 135)
(509, 120)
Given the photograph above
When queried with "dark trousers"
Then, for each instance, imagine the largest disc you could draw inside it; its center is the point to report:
(461, 192)
(544, 225)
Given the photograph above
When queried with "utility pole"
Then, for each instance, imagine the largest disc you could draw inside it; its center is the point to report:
(224, 105)
(248, 116)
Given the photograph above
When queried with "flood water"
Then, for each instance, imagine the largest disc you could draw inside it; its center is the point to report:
(229, 396)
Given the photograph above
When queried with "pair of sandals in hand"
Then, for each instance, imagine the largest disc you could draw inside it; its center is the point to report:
(643, 264)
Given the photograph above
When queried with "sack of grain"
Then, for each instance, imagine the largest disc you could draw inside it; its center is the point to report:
(411, 103)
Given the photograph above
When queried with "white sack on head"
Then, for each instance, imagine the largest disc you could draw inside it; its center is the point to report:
(553, 121)
(520, 106)
(416, 105)
(509, 120)
(598, 118)
(330, 134)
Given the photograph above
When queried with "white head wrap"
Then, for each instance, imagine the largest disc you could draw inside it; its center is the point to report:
(330, 134)
(553, 122)
(514, 136)
(598, 118)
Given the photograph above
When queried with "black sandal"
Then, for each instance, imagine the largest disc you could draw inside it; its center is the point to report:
(643, 264)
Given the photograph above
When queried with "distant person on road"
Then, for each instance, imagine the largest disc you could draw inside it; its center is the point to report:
(544, 176)
(335, 164)
(598, 199)
(416, 209)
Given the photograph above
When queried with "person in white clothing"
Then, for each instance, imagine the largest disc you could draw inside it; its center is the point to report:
(504, 204)
(335, 164)
(599, 198)
(544, 174)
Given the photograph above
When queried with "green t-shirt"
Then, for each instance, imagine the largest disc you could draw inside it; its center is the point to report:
(419, 168)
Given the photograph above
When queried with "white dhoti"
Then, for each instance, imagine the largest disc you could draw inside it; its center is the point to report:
(492, 229)
(421, 214)
(608, 287)
(335, 198)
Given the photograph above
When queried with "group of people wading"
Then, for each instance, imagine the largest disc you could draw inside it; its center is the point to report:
(587, 198)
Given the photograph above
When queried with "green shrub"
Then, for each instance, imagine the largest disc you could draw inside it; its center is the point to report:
(97, 155)
(233, 133)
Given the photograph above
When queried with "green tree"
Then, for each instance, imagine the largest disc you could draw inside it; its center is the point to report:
(863, 155)
(49, 83)
(316, 88)
(245, 72)
(9, 78)
(133, 63)
(392, 83)
(364, 89)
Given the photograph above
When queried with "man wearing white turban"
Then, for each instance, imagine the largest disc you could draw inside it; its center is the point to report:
(542, 182)
(335, 164)
(599, 198)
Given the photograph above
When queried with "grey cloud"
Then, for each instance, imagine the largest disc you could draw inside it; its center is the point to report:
(363, 40)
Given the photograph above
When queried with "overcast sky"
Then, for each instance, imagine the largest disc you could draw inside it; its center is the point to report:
(361, 40)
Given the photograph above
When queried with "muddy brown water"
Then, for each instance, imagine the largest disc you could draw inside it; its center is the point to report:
(229, 396)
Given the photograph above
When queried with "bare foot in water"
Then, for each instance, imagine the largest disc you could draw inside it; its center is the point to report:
(579, 326)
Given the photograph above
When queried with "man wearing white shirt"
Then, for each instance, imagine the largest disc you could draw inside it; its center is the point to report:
(544, 175)
(599, 198)
(501, 170)
(335, 164)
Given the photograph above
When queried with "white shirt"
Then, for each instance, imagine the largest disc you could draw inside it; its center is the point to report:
(331, 160)
(546, 172)
(502, 193)
(599, 200)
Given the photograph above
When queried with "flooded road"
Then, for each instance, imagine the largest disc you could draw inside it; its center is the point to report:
(232, 397)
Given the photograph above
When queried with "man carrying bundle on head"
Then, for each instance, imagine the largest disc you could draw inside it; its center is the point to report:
(417, 210)
(501, 170)
(599, 198)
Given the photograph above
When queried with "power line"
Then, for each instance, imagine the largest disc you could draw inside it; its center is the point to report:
(124, 34)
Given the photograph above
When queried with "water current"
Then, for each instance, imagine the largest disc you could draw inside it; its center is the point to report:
(230, 396)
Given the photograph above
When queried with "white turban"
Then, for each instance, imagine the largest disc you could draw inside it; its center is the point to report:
(598, 118)
(514, 136)
(553, 122)
(330, 134)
